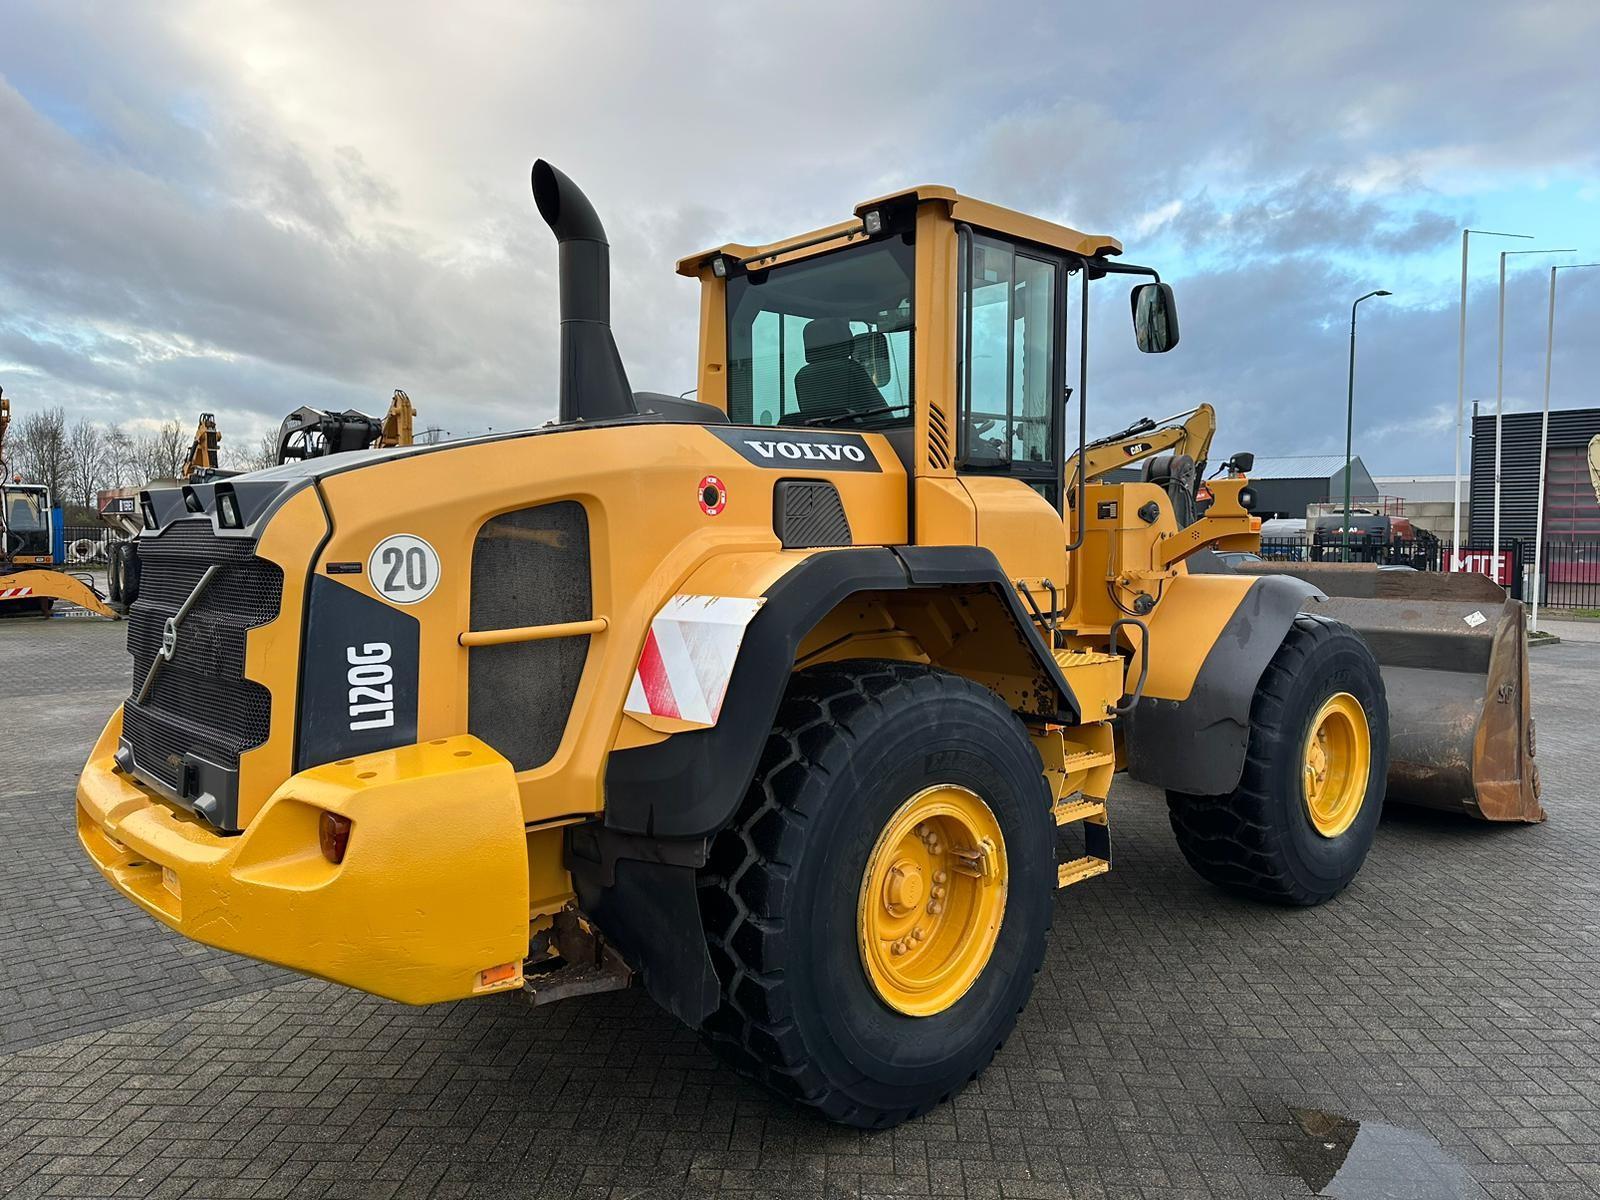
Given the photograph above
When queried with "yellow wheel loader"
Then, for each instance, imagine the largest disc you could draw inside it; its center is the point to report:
(796, 701)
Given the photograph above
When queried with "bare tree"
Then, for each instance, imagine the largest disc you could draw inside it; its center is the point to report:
(261, 455)
(122, 462)
(164, 453)
(87, 465)
(41, 448)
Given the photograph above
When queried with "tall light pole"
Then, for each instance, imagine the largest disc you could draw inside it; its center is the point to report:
(1350, 418)
(1544, 431)
(1500, 398)
(1461, 374)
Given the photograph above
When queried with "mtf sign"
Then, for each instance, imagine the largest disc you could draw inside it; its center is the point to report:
(1497, 566)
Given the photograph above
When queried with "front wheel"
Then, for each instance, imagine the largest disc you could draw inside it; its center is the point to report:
(1299, 825)
(878, 910)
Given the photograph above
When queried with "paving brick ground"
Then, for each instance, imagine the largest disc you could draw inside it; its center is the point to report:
(1449, 1002)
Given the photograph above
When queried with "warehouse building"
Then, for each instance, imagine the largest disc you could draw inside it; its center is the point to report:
(1570, 512)
(1285, 486)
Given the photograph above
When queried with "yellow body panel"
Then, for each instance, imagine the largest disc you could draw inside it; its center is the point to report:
(1023, 530)
(648, 537)
(272, 651)
(433, 888)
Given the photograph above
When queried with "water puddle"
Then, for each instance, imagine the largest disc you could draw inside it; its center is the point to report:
(1369, 1160)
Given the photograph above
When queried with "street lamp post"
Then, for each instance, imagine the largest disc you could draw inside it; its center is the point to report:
(1350, 418)
(1544, 432)
(1499, 401)
(1461, 375)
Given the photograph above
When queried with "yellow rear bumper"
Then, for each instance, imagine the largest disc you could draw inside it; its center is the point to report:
(432, 891)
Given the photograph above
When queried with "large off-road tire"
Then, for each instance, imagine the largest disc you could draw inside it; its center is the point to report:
(796, 902)
(1283, 835)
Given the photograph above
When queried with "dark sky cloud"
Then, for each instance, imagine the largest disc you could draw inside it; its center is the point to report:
(249, 208)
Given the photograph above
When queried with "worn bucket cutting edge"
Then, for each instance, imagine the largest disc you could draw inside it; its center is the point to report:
(1453, 652)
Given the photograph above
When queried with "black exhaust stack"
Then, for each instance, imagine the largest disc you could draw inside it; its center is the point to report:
(594, 386)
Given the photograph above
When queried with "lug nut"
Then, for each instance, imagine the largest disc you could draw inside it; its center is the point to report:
(918, 934)
(935, 907)
(939, 876)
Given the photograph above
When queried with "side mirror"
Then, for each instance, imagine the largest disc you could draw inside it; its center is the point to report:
(1241, 462)
(1155, 317)
(871, 350)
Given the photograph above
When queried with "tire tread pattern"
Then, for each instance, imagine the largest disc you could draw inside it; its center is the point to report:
(827, 710)
(1232, 840)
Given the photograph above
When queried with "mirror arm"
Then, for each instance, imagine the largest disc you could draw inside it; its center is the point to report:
(1118, 268)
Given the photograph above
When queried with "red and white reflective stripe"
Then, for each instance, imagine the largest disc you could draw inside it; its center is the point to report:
(16, 593)
(688, 657)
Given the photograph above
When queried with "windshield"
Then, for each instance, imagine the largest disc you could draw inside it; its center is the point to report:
(24, 510)
(826, 341)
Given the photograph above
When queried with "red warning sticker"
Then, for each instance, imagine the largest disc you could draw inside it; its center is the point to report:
(713, 496)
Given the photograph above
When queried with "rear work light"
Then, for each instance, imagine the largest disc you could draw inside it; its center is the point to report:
(333, 834)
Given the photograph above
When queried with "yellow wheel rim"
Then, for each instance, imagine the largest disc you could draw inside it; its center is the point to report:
(932, 899)
(1336, 762)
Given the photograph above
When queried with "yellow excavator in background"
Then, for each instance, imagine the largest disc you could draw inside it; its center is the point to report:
(31, 577)
(204, 460)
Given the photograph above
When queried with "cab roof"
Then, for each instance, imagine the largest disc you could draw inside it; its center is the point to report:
(978, 213)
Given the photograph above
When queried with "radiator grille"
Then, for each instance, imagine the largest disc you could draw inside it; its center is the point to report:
(529, 567)
(201, 703)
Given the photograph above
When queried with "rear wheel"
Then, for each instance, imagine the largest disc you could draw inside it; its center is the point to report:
(878, 910)
(1299, 825)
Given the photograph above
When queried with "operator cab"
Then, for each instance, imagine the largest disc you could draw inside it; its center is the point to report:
(822, 331)
(25, 532)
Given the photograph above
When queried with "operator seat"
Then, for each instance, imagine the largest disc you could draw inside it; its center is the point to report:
(832, 382)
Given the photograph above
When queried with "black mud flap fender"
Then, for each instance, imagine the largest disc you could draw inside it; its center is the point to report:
(641, 894)
(1197, 745)
(691, 784)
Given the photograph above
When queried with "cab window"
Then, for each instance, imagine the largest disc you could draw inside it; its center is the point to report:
(1010, 360)
(825, 341)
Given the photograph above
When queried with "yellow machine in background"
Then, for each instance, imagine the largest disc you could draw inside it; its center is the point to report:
(31, 579)
(782, 700)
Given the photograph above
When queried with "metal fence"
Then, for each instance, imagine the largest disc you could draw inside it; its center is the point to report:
(88, 545)
(1570, 573)
(1569, 569)
(1511, 567)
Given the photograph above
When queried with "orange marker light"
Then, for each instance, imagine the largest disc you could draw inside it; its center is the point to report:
(333, 834)
(494, 975)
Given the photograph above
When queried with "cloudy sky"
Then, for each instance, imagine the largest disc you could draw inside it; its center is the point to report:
(246, 207)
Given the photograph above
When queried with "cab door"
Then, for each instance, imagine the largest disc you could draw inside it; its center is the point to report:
(1011, 379)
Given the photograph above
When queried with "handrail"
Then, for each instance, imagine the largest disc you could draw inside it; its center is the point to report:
(531, 633)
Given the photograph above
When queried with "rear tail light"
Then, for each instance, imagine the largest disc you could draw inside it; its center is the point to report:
(333, 833)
